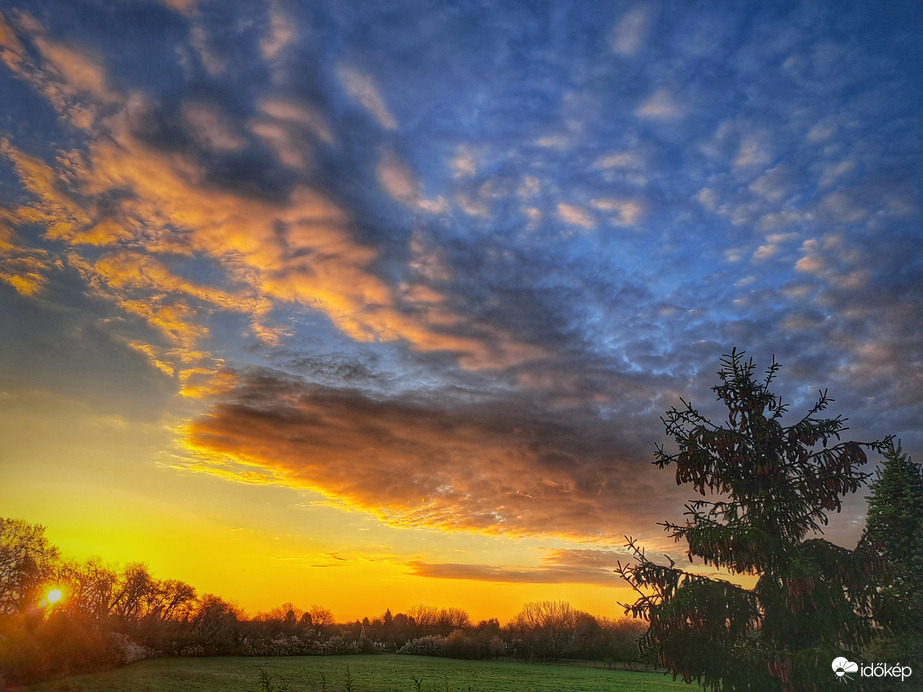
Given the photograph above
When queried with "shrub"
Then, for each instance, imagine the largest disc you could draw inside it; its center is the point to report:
(430, 645)
(337, 646)
(125, 651)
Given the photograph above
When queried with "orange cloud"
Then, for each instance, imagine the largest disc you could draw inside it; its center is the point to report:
(134, 270)
(153, 356)
(180, 5)
(494, 467)
(22, 268)
(314, 261)
(144, 206)
(13, 53)
(25, 274)
(174, 318)
(72, 81)
(206, 382)
(76, 70)
(53, 208)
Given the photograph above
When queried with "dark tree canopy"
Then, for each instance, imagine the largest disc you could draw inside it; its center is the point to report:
(766, 489)
(27, 560)
(895, 528)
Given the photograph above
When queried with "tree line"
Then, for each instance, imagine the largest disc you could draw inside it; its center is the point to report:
(110, 615)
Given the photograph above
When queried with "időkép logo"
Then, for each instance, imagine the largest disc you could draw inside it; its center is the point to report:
(844, 669)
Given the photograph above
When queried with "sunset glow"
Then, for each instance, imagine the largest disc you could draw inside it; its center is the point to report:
(375, 304)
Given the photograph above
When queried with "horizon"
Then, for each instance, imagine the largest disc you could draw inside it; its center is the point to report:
(370, 307)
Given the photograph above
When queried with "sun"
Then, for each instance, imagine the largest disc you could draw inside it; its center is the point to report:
(54, 595)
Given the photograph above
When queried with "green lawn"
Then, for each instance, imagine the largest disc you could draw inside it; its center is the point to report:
(374, 673)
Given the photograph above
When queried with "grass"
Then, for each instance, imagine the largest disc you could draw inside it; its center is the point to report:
(371, 673)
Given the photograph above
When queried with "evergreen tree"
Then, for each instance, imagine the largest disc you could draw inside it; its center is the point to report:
(771, 487)
(895, 528)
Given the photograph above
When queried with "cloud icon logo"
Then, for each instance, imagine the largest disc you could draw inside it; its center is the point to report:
(841, 666)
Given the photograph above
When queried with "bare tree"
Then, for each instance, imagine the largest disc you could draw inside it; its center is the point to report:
(135, 593)
(176, 600)
(27, 562)
(91, 588)
(425, 618)
(451, 619)
(546, 629)
(320, 618)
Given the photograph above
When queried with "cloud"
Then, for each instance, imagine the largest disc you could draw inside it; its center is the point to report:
(401, 184)
(660, 105)
(496, 465)
(774, 185)
(361, 87)
(292, 112)
(464, 163)
(764, 252)
(26, 270)
(153, 356)
(753, 151)
(211, 127)
(397, 180)
(575, 216)
(281, 33)
(180, 5)
(54, 207)
(75, 69)
(834, 172)
(559, 142)
(585, 558)
(627, 211)
(72, 81)
(513, 575)
(822, 131)
(628, 35)
(621, 159)
(298, 249)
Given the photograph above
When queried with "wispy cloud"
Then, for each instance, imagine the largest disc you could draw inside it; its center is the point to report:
(575, 216)
(361, 87)
(629, 34)
(513, 575)
(660, 105)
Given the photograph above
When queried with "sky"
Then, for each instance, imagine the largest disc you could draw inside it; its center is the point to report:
(375, 304)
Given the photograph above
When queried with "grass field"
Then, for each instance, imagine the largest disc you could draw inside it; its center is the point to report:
(374, 673)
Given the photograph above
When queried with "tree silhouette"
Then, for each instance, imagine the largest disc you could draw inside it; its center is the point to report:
(27, 561)
(546, 628)
(895, 527)
(772, 487)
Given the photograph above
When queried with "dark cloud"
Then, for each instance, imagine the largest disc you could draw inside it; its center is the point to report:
(519, 463)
